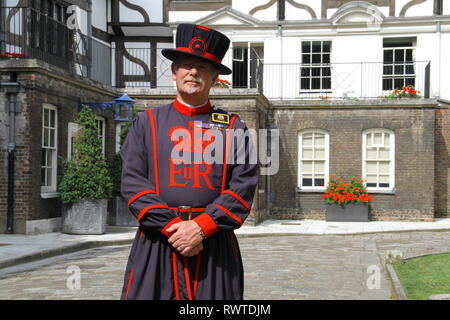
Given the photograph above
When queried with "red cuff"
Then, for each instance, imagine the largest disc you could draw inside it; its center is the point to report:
(171, 222)
(207, 224)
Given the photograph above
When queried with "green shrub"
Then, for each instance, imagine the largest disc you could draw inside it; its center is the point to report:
(86, 175)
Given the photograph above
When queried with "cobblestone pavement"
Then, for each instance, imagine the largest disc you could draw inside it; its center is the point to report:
(276, 267)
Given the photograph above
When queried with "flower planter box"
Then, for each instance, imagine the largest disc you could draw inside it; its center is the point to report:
(349, 212)
(120, 215)
(85, 217)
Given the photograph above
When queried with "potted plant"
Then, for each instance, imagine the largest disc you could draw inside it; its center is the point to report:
(119, 214)
(86, 183)
(405, 92)
(221, 83)
(346, 201)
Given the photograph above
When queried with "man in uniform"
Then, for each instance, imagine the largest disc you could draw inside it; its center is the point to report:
(188, 206)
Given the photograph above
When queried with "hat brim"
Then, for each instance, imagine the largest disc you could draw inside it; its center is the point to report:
(173, 54)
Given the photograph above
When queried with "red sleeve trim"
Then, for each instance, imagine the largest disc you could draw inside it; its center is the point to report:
(237, 197)
(140, 194)
(146, 209)
(171, 222)
(239, 220)
(207, 224)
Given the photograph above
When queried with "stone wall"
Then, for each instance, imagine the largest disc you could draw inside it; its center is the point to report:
(442, 161)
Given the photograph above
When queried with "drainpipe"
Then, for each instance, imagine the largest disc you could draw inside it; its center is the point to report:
(11, 89)
(89, 34)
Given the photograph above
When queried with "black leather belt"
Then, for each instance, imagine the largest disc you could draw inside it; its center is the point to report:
(187, 212)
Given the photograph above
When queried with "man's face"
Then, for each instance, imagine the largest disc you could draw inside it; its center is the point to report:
(193, 76)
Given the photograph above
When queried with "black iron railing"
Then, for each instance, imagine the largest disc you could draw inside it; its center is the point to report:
(27, 33)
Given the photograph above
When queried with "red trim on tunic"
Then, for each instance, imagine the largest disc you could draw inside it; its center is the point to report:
(206, 55)
(239, 220)
(225, 160)
(190, 111)
(146, 209)
(155, 150)
(207, 224)
(130, 280)
(197, 272)
(140, 194)
(175, 275)
(237, 197)
(171, 222)
(203, 27)
(187, 278)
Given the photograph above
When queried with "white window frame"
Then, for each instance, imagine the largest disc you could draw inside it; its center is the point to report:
(102, 134)
(72, 128)
(50, 188)
(311, 65)
(119, 127)
(404, 76)
(300, 187)
(391, 134)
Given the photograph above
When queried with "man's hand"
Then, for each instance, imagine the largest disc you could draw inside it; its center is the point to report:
(186, 239)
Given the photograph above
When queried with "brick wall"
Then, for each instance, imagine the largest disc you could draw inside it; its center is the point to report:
(442, 167)
(45, 85)
(413, 126)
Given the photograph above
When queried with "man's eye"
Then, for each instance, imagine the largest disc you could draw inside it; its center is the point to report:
(187, 66)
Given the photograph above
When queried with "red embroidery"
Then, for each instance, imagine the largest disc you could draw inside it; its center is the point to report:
(189, 172)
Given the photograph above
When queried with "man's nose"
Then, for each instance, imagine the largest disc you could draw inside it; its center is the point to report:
(194, 70)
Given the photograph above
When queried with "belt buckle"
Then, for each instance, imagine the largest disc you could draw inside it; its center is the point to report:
(185, 215)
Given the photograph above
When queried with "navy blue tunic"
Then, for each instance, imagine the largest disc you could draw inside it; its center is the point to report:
(163, 168)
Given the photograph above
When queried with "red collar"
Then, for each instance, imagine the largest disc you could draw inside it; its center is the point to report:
(188, 111)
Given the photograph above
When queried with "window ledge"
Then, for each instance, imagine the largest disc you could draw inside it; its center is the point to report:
(381, 191)
(49, 195)
(310, 190)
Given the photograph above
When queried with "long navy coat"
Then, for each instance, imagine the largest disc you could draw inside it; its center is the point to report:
(157, 178)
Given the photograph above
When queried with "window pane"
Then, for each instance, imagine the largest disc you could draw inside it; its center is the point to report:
(399, 55)
(307, 153)
(315, 72)
(409, 56)
(46, 117)
(319, 140)
(386, 140)
(410, 82)
(398, 83)
(52, 118)
(49, 158)
(371, 154)
(306, 46)
(306, 58)
(384, 179)
(307, 180)
(319, 181)
(387, 84)
(315, 83)
(316, 46)
(327, 46)
(43, 175)
(399, 69)
(388, 56)
(371, 178)
(307, 166)
(307, 140)
(49, 177)
(388, 70)
(384, 167)
(52, 138)
(369, 139)
(46, 137)
(319, 167)
(305, 84)
(305, 72)
(371, 167)
(377, 138)
(316, 58)
(384, 153)
(326, 83)
(326, 58)
(319, 153)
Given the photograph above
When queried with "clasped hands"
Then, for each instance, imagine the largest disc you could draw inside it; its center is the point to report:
(186, 238)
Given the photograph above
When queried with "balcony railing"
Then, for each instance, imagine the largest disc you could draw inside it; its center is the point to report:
(362, 80)
(27, 33)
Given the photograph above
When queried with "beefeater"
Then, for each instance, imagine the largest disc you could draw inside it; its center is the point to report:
(187, 203)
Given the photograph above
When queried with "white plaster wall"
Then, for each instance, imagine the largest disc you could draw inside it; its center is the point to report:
(422, 9)
(187, 16)
(446, 7)
(445, 66)
(269, 14)
(293, 13)
(100, 14)
(154, 9)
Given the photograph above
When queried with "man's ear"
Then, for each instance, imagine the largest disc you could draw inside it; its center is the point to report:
(174, 68)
